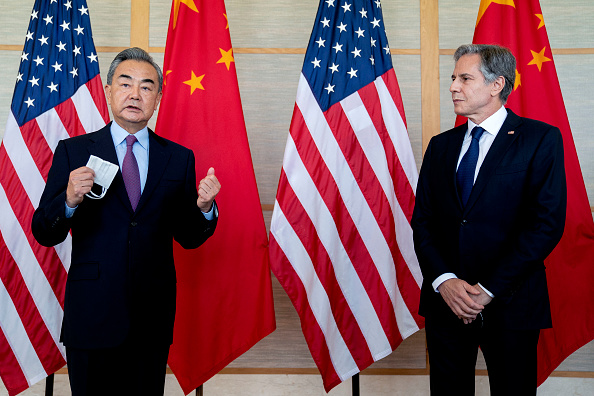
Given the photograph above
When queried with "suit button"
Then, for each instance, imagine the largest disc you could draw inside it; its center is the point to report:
(463, 222)
(134, 224)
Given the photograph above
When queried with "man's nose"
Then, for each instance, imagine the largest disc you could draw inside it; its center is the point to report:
(135, 92)
(454, 87)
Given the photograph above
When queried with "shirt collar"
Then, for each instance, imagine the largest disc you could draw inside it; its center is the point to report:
(493, 123)
(119, 134)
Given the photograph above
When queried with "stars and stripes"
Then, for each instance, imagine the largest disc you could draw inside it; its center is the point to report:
(350, 42)
(340, 238)
(58, 94)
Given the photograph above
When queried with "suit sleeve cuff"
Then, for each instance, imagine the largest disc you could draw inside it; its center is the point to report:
(442, 278)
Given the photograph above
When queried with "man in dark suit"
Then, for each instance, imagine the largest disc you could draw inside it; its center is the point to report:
(119, 305)
(490, 207)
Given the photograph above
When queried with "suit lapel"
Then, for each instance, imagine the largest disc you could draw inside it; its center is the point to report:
(158, 159)
(498, 149)
(103, 148)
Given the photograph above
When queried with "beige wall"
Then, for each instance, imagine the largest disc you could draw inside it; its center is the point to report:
(269, 40)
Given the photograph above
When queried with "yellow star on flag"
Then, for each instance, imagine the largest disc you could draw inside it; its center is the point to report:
(486, 3)
(538, 58)
(195, 82)
(177, 3)
(227, 18)
(165, 77)
(226, 57)
(518, 81)
(541, 24)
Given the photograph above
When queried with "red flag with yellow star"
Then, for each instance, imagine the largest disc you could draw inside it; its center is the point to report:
(224, 292)
(519, 25)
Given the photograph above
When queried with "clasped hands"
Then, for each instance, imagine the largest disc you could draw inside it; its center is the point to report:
(81, 180)
(465, 300)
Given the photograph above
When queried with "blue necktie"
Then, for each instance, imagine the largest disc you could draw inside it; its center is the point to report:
(467, 167)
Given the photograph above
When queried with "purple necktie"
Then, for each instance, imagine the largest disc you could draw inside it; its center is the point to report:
(130, 173)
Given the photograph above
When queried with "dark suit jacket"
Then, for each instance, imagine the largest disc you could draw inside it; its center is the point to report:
(122, 279)
(513, 219)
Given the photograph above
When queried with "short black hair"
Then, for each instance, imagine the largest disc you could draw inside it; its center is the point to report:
(137, 54)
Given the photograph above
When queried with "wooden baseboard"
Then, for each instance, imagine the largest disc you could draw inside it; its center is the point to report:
(313, 371)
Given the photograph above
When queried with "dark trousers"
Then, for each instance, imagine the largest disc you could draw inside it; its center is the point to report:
(510, 356)
(132, 368)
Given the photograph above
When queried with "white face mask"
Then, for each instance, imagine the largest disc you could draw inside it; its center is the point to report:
(104, 175)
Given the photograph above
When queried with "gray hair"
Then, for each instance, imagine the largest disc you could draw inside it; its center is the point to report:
(496, 61)
(137, 54)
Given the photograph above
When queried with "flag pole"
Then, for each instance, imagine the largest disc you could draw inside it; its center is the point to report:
(355, 382)
(199, 391)
(49, 385)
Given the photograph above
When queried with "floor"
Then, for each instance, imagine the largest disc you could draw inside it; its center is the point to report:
(285, 385)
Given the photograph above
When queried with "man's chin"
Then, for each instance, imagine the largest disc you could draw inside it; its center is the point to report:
(133, 117)
(459, 111)
(132, 112)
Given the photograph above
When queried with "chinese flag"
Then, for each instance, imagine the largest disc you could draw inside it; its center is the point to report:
(224, 292)
(519, 25)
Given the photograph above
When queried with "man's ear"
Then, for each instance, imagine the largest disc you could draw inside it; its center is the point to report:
(159, 97)
(108, 94)
(498, 85)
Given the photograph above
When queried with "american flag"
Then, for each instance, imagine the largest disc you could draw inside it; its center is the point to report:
(340, 238)
(58, 94)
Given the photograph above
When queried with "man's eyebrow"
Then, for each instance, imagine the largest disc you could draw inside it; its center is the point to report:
(146, 80)
(462, 75)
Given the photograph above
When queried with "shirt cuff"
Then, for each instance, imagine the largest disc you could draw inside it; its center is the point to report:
(487, 291)
(442, 278)
(69, 210)
(212, 213)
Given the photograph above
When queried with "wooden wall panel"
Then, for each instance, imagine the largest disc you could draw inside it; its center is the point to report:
(110, 21)
(569, 23)
(577, 84)
(430, 69)
(14, 19)
(408, 72)
(139, 23)
(456, 22)
(268, 85)
(9, 64)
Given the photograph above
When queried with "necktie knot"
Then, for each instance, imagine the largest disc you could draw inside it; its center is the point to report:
(477, 132)
(130, 140)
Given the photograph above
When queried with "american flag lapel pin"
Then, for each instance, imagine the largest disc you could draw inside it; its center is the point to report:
(510, 132)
